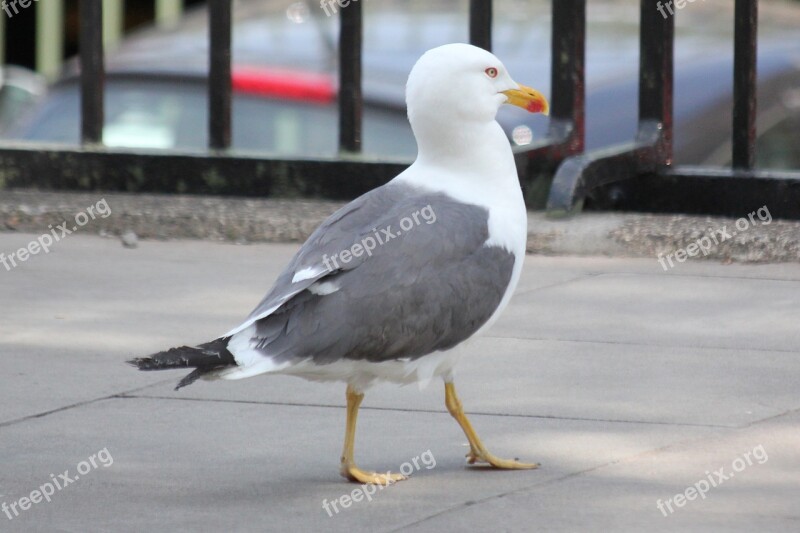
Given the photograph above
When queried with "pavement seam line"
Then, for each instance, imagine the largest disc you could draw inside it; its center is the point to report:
(767, 419)
(621, 343)
(547, 482)
(426, 411)
(580, 277)
(74, 405)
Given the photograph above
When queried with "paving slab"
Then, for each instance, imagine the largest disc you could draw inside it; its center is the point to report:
(741, 481)
(626, 382)
(211, 466)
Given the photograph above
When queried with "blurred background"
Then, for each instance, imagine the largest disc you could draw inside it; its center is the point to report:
(284, 74)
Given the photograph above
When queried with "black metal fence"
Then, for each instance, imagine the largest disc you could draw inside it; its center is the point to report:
(640, 176)
(635, 176)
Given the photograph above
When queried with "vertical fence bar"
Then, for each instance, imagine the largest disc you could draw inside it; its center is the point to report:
(744, 83)
(2, 39)
(480, 23)
(219, 76)
(49, 37)
(657, 36)
(92, 70)
(567, 76)
(350, 96)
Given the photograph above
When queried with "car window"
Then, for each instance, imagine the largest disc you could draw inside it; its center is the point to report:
(14, 101)
(173, 115)
(779, 146)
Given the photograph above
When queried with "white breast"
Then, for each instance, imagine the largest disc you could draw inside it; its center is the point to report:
(500, 194)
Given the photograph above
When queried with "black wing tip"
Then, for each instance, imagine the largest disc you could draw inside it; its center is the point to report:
(191, 377)
(204, 359)
(142, 363)
(147, 363)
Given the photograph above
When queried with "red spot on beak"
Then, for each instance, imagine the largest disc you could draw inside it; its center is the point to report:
(535, 106)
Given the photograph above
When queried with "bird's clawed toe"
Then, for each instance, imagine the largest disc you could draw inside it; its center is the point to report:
(355, 474)
(485, 457)
(477, 452)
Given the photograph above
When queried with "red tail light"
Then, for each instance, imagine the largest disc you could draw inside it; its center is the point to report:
(284, 84)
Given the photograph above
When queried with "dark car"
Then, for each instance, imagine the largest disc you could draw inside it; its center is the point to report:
(20, 90)
(284, 80)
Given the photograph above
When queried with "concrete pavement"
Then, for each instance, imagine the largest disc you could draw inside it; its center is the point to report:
(628, 384)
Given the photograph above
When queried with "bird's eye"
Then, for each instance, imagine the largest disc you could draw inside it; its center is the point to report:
(491, 72)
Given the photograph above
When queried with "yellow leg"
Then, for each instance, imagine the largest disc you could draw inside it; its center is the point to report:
(348, 467)
(477, 452)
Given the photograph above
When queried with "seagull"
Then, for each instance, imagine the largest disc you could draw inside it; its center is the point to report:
(391, 285)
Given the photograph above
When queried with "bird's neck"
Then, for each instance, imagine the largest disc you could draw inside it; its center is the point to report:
(476, 148)
(474, 164)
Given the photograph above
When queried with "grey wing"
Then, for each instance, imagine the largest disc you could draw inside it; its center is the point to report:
(428, 288)
(307, 267)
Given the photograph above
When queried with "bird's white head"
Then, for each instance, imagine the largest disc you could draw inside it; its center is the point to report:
(457, 88)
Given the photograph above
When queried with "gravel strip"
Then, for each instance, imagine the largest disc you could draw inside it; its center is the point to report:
(239, 220)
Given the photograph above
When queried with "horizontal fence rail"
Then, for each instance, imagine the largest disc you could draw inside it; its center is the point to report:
(638, 175)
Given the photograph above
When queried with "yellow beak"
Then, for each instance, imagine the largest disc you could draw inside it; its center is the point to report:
(528, 99)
